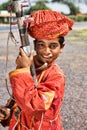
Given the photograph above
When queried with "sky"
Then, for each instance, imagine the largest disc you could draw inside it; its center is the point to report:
(58, 7)
(2, 1)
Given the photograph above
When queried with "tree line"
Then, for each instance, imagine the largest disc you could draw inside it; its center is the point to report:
(41, 4)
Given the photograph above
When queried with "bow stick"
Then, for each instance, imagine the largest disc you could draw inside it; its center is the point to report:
(18, 9)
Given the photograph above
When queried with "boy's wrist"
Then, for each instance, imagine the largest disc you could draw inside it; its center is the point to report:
(24, 66)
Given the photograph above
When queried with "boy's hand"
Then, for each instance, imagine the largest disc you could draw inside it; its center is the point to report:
(23, 61)
(4, 113)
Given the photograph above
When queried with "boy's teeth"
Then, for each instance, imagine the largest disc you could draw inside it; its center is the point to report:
(47, 56)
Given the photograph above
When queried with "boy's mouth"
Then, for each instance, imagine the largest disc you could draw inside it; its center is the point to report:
(47, 56)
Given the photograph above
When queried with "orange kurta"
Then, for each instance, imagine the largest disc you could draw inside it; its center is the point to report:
(40, 107)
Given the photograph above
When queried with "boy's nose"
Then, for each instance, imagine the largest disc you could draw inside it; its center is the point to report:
(47, 49)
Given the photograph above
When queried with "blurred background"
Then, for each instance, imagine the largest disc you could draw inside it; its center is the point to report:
(73, 60)
(75, 9)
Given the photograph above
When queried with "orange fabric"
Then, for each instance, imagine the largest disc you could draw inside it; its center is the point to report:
(48, 24)
(48, 98)
(19, 121)
(31, 100)
(19, 71)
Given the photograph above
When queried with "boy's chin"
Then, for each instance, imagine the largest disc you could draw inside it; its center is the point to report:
(42, 62)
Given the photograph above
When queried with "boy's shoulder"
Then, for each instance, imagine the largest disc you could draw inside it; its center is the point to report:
(57, 68)
(54, 69)
(54, 72)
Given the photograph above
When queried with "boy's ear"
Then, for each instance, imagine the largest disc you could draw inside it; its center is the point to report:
(61, 49)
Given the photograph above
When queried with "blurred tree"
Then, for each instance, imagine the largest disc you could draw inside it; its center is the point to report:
(5, 5)
(40, 5)
(73, 9)
(57, 0)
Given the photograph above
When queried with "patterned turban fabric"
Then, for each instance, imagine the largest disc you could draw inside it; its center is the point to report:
(49, 24)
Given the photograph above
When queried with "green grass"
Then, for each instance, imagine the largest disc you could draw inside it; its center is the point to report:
(77, 35)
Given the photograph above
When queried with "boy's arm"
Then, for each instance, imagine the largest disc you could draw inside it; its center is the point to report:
(35, 99)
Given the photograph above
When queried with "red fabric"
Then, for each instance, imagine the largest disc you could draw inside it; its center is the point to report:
(31, 101)
(49, 24)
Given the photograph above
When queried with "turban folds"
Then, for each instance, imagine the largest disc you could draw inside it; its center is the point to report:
(49, 24)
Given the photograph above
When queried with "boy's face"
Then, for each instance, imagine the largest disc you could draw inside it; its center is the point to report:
(47, 50)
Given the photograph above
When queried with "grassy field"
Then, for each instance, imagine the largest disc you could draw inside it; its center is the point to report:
(78, 36)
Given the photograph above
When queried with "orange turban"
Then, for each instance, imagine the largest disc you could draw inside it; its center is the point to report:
(49, 24)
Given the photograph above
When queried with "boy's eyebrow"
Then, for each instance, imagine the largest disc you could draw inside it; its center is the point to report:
(40, 41)
(54, 42)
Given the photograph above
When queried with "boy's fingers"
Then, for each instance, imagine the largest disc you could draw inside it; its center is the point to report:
(31, 55)
(1, 116)
(2, 113)
(22, 53)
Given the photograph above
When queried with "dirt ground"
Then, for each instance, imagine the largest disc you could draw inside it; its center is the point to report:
(73, 61)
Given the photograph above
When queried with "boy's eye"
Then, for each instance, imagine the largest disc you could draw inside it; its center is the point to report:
(40, 45)
(53, 45)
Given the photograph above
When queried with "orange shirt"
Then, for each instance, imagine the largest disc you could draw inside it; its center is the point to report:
(40, 107)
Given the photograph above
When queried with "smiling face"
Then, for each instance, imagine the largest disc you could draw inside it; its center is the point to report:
(47, 50)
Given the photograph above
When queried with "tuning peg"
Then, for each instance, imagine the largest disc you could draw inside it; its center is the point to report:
(9, 7)
(24, 5)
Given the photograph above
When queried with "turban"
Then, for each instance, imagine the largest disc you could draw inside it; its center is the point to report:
(48, 24)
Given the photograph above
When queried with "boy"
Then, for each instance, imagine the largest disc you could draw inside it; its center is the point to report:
(38, 108)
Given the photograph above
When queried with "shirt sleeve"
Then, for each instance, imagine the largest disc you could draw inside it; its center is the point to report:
(33, 99)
